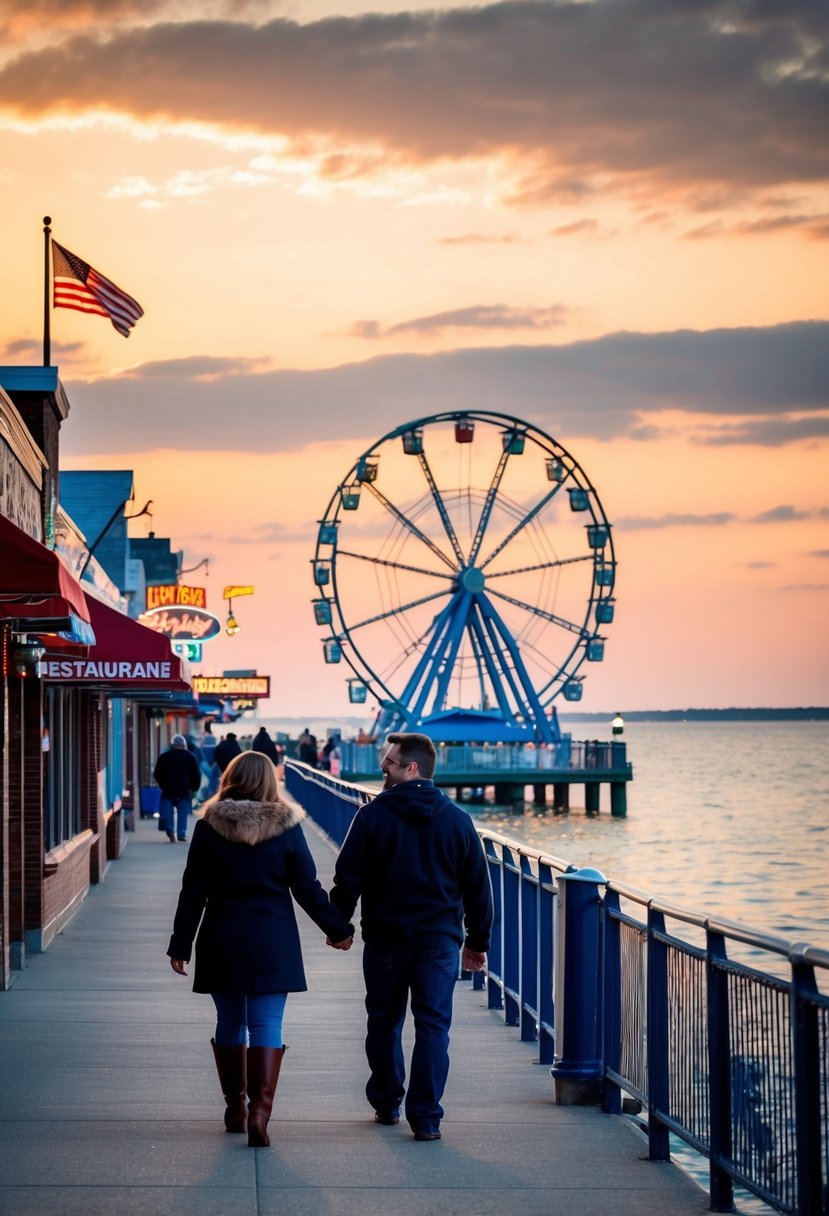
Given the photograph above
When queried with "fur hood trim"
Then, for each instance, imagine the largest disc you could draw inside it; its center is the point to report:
(252, 822)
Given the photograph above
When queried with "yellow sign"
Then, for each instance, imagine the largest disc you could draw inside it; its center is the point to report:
(171, 595)
(233, 686)
(233, 592)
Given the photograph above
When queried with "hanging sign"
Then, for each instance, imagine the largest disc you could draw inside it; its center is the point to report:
(233, 686)
(171, 595)
(233, 592)
(191, 651)
(182, 624)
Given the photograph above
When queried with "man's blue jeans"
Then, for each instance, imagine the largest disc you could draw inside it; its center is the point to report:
(168, 809)
(429, 976)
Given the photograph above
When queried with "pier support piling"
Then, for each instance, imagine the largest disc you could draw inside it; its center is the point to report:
(618, 799)
(591, 797)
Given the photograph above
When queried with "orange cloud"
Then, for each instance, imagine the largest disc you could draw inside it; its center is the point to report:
(614, 95)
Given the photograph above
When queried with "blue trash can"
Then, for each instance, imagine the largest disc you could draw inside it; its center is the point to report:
(149, 797)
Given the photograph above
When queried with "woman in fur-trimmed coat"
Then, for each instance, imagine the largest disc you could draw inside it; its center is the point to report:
(247, 862)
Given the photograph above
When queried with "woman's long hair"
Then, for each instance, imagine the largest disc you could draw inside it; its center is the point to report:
(250, 777)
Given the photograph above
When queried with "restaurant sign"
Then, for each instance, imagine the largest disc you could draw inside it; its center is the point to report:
(105, 669)
(171, 595)
(182, 624)
(233, 686)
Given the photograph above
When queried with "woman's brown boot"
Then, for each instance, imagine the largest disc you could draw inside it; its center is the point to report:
(231, 1067)
(264, 1064)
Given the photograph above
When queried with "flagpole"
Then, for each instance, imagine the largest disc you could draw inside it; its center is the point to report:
(47, 337)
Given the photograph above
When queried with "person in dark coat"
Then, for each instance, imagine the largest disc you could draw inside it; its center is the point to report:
(416, 862)
(262, 742)
(178, 775)
(248, 857)
(307, 744)
(226, 749)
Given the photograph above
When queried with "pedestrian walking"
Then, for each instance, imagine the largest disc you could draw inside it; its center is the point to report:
(247, 859)
(417, 864)
(178, 775)
(209, 767)
(226, 749)
(262, 742)
(307, 746)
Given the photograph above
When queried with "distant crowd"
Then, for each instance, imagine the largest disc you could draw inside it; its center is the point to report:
(213, 754)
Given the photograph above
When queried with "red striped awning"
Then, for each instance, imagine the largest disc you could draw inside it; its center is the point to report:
(126, 656)
(34, 583)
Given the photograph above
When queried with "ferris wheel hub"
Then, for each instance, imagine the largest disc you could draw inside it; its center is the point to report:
(473, 580)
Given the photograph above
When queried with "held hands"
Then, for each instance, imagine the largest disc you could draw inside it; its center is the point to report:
(178, 966)
(345, 944)
(473, 960)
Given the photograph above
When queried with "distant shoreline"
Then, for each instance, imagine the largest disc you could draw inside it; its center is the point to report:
(802, 714)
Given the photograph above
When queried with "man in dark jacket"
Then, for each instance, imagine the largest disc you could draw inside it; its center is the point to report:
(178, 774)
(262, 742)
(226, 749)
(417, 864)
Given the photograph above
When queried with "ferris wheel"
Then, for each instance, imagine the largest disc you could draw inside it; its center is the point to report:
(464, 568)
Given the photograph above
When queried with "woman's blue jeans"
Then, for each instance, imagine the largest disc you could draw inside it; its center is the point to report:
(255, 1018)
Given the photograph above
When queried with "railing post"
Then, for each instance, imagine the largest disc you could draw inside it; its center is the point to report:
(496, 953)
(577, 1068)
(528, 940)
(546, 913)
(510, 922)
(807, 1113)
(721, 1188)
(657, 1045)
(611, 970)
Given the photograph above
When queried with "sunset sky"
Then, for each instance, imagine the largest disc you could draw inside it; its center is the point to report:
(609, 218)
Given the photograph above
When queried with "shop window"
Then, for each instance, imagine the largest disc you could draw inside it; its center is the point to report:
(62, 732)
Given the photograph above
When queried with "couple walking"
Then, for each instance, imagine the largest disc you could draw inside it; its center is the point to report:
(412, 859)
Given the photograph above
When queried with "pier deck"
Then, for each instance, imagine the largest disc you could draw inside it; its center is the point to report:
(109, 1102)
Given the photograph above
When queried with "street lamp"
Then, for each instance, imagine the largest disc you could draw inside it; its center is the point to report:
(232, 626)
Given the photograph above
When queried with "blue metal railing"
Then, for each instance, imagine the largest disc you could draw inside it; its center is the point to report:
(719, 1031)
(489, 760)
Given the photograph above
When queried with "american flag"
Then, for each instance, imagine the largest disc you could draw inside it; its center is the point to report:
(77, 285)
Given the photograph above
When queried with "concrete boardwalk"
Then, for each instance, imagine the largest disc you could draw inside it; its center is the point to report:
(109, 1103)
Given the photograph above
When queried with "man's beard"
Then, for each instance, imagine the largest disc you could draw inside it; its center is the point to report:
(388, 782)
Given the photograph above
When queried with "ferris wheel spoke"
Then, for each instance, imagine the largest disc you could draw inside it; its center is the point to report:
(383, 561)
(522, 523)
(540, 612)
(441, 508)
(530, 697)
(399, 610)
(436, 664)
(407, 523)
(432, 640)
(489, 503)
(501, 671)
(478, 633)
(478, 656)
(561, 561)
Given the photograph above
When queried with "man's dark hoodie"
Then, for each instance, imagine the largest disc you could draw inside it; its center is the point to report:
(417, 864)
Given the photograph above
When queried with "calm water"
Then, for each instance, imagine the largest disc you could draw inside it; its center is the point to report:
(726, 818)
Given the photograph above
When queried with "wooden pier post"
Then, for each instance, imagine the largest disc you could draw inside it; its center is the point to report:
(618, 799)
(591, 797)
(561, 796)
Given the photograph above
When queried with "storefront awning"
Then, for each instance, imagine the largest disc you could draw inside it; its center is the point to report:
(37, 589)
(126, 657)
